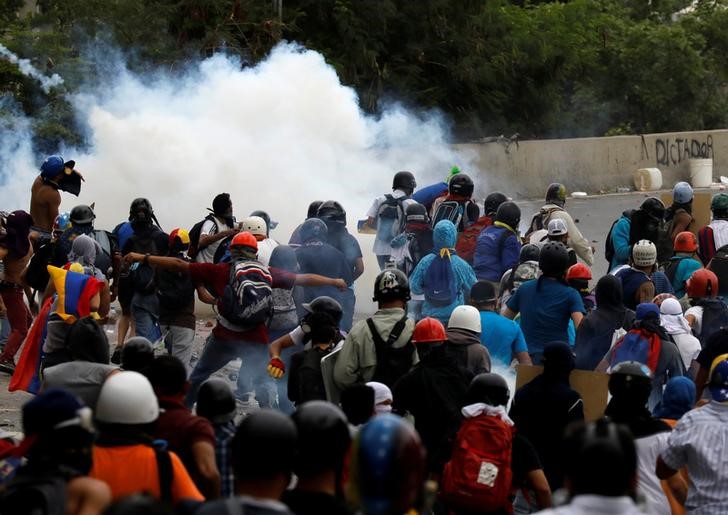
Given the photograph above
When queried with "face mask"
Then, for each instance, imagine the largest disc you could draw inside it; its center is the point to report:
(380, 409)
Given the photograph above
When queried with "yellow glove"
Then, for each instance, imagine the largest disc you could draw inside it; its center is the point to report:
(276, 368)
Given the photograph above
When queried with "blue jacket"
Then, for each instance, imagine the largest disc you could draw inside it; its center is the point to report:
(685, 268)
(496, 251)
(427, 195)
(444, 236)
(620, 242)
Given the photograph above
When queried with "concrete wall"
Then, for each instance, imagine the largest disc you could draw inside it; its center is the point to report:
(594, 165)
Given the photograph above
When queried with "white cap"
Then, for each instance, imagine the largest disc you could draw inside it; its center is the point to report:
(465, 317)
(127, 398)
(644, 253)
(557, 227)
(255, 225)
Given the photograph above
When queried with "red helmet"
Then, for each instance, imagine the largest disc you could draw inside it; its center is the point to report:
(579, 271)
(181, 234)
(703, 283)
(686, 242)
(429, 330)
(244, 239)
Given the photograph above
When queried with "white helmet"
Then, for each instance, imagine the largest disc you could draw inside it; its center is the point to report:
(465, 317)
(255, 225)
(644, 253)
(127, 398)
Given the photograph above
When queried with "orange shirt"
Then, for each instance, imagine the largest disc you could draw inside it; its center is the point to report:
(132, 469)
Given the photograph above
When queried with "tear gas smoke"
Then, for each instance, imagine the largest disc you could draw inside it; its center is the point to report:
(31, 71)
(275, 136)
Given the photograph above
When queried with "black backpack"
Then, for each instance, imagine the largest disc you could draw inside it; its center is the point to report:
(104, 260)
(608, 244)
(247, 301)
(33, 495)
(36, 275)
(392, 363)
(310, 379)
(541, 219)
(175, 290)
(195, 234)
(141, 275)
(672, 266)
(715, 317)
(719, 266)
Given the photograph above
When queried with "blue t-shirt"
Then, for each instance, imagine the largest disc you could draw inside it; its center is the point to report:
(501, 336)
(545, 306)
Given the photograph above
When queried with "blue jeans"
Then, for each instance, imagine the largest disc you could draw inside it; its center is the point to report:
(145, 312)
(284, 404)
(382, 260)
(252, 376)
(4, 331)
(348, 301)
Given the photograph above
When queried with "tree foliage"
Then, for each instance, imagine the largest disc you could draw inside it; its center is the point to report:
(539, 68)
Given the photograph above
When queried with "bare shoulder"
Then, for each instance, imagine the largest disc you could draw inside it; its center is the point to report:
(87, 496)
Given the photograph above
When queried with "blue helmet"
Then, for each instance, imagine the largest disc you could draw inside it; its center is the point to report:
(52, 166)
(389, 469)
(682, 193)
(314, 229)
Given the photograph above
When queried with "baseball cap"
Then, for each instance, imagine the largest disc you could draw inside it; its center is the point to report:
(557, 227)
(482, 292)
(54, 409)
(645, 309)
(718, 384)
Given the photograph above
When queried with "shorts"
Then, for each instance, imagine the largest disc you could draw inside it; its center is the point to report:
(124, 295)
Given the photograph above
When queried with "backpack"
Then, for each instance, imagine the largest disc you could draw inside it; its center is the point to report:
(671, 268)
(609, 245)
(310, 378)
(247, 301)
(439, 282)
(468, 239)
(196, 232)
(104, 261)
(715, 317)
(478, 477)
(540, 220)
(719, 266)
(451, 210)
(637, 345)
(284, 316)
(36, 275)
(175, 290)
(706, 245)
(390, 218)
(142, 275)
(392, 363)
(32, 495)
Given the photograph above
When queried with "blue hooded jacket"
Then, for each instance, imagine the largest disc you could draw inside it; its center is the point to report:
(620, 242)
(497, 250)
(444, 236)
(677, 399)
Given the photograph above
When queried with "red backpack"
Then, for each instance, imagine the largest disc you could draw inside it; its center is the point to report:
(478, 477)
(468, 239)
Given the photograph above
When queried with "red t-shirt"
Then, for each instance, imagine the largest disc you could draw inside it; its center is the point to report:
(215, 277)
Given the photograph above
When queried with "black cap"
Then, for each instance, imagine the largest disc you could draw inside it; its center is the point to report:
(483, 292)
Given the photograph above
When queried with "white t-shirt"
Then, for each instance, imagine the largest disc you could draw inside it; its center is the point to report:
(697, 312)
(381, 248)
(265, 249)
(648, 449)
(207, 255)
(689, 347)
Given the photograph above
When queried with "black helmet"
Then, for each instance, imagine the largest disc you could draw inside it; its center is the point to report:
(323, 437)
(404, 181)
(488, 388)
(313, 208)
(270, 224)
(529, 252)
(313, 229)
(556, 194)
(137, 354)
(82, 215)
(332, 212)
(654, 207)
(510, 214)
(264, 445)
(416, 213)
(216, 401)
(553, 259)
(391, 284)
(630, 379)
(492, 201)
(141, 211)
(324, 304)
(461, 184)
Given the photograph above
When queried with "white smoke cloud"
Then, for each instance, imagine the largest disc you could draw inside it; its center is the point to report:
(31, 71)
(275, 136)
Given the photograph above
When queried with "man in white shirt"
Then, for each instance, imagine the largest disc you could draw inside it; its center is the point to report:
(387, 215)
(216, 228)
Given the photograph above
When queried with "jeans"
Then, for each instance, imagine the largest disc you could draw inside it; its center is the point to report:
(252, 376)
(382, 260)
(4, 331)
(145, 312)
(20, 319)
(179, 341)
(284, 404)
(348, 301)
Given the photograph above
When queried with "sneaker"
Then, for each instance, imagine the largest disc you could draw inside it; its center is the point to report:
(7, 366)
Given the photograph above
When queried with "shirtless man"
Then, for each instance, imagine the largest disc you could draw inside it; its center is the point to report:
(15, 252)
(45, 199)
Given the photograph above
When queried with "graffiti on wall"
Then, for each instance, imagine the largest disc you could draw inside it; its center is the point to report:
(671, 152)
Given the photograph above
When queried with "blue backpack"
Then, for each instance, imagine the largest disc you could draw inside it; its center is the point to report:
(637, 345)
(440, 283)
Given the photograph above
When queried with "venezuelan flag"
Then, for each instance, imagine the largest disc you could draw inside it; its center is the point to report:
(74, 293)
(27, 372)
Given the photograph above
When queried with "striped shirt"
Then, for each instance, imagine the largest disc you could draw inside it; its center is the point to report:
(700, 443)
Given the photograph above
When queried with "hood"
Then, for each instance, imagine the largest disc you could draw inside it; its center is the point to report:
(462, 337)
(609, 293)
(83, 250)
(444, 235)
(15, 236)
(677, 399)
